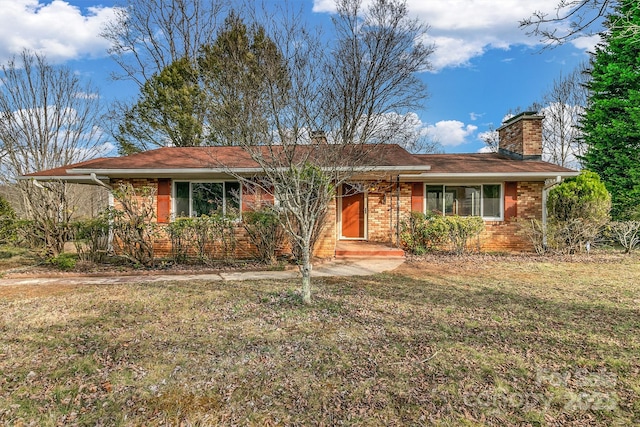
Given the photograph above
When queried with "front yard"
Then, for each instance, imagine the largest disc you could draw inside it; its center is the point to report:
(442, 341)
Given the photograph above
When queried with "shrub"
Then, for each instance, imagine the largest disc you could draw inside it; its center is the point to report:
(584, 196)
(91, 238)
(536, 232)
(265, 231)
(462, 229)
(422, 233)
(133, 227)
(63, 261)
(208, 237)
(180, 233)
(7, 222)
(577, 209)
(626, 234)
(214, 236)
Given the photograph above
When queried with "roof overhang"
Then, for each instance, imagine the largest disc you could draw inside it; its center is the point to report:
(73, 179)
(485, 176)
(187, 172)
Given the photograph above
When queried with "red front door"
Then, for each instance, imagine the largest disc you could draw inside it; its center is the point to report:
(352, 215)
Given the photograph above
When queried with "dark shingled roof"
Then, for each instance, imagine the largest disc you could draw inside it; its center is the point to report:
(390, 155)
(379, 157)
(485, 163)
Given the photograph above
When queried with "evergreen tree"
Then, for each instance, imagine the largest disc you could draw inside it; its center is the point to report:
(611, 123)
(237, 71)
(169, 111)
(216, 99)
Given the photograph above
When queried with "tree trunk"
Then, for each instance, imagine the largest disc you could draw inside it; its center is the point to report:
(305, 270)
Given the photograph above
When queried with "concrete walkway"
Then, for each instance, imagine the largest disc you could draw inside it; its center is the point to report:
(341, 267)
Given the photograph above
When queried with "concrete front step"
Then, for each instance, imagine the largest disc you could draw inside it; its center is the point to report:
(366, 249)
(364, 253)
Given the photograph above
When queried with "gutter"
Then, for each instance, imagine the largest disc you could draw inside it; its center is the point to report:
(185, 171)
(491, 175)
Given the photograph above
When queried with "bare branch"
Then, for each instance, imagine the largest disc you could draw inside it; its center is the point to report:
(570, 20)
(148, 35)
(48, 118)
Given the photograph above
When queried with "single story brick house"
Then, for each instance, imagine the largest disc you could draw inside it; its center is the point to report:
(503, 188)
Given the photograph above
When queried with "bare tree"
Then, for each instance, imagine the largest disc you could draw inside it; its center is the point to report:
(563, 106)
(572, 19)
(491, 139)
(48, 118)
(146, 36)
(322, 120)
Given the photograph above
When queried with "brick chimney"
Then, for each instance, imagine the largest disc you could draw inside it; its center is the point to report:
(318, 137)
(520, 137)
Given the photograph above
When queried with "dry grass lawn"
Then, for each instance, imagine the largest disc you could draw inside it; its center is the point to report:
(441, 341)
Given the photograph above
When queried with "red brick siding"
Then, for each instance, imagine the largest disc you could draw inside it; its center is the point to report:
(378, 207)
(508, 235)
(523, 200)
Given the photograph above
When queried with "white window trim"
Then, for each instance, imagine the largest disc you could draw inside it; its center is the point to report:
(199, 181)
(468, 184)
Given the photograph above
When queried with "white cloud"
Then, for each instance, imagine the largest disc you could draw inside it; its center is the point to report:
(464, 29)
(86, 95)
(587, 43)
(486, 149)
(56, 29)
(450, 133)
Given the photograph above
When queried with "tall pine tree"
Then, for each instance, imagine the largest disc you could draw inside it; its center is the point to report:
(611, 124)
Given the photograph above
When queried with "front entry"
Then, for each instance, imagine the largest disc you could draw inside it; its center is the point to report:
(352, 213)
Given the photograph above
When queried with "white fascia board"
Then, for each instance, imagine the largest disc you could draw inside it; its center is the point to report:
(80, 179)
(490, 175)
(200, 171)
(153, 172)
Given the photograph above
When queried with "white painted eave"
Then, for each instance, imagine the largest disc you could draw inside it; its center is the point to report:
(231, 171)
(490, 175)
(76, 179)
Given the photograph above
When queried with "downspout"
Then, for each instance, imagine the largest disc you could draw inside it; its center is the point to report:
(95, 179)
(390, 209)
(545, 195)
(398, 213)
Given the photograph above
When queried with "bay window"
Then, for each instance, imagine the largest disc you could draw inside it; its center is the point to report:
(483, 200)
(206, 198)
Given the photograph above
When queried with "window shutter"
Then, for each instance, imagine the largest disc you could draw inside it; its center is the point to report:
(510, 200)
(417, 197)
(164, 200)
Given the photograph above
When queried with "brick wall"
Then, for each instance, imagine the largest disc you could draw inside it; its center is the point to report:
(382, 213)
(508, 235)
(326, 245)
(504, 235)
(382, 209)
(244, 247)
(379, 205)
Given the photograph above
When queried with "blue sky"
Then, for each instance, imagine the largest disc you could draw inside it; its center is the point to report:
(484, 65)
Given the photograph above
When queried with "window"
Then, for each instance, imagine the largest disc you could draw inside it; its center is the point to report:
(207, 198)
(465, 200)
